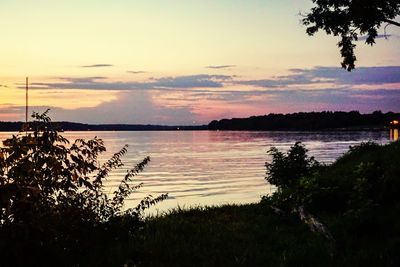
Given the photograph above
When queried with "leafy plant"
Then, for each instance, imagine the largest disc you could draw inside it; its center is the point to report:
(290, 173)
(52, 197)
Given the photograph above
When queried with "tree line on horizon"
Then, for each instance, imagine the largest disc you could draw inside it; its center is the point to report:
(16, 126)
(305, 121)
(301, 121)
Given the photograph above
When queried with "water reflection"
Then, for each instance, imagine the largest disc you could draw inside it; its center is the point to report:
(394, 134)
(211, 167)
(394, 130)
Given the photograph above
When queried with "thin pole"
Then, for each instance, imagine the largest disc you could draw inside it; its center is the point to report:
(26, 101)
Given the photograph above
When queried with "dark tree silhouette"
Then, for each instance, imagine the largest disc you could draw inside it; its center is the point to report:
(54, 207)
(350, 19)
(307, 121)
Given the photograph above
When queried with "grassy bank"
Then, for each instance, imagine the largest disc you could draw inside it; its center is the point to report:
(357, 198)
(248, 235)
(252, 235)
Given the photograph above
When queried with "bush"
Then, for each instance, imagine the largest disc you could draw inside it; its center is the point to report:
(365, 177)
(291, 173)
(52, 200)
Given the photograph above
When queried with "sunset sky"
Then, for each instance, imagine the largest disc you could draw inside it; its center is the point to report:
(182, 62)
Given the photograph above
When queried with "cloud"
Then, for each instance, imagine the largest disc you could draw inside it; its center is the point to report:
(183, 99)
(11, 108)
(376, 99)
(172, 107)
(379, 36)
(193, 81)
(12, 112)
(334, 75)
(289, 100)
(317, 77)
(281, 81)
(136, 71)
(132, 107)
(359, 76)
(4, 86)
(97, 66)
(100, 83)
(220, 66)
(83, 79)
(300, 77)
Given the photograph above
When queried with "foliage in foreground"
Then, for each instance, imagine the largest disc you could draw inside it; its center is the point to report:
(366, 176)
(357, 197)
(290, 173)
(53, 206)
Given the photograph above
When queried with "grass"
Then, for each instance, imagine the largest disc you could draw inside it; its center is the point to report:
(246, 235)
(252, 235)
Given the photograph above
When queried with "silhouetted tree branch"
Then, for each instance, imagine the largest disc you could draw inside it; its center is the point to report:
(350, 19)
(392, 22)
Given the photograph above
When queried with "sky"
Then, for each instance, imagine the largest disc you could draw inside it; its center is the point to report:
(176, 62)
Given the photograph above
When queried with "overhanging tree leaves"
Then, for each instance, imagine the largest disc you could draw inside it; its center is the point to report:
(351, 19)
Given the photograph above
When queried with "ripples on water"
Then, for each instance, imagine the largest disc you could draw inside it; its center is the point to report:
(212, 167)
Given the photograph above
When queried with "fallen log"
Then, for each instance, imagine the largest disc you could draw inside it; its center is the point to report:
(315, 226)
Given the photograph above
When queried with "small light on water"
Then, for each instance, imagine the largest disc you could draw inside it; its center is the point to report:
(394, 130)
(394, 134)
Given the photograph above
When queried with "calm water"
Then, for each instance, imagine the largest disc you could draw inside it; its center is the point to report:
(211, 168)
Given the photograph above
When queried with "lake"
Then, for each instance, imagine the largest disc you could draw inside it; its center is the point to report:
(212, 167)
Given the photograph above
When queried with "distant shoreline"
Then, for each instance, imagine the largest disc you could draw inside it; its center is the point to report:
(107, 128)
(309, 121)
(302, 121)
(73, 126)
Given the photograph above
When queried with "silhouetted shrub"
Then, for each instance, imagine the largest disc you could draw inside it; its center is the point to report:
(367, 176)
(53, 206)
(290, 173)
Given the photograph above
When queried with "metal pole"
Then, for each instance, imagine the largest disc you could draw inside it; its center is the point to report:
(26, 101)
